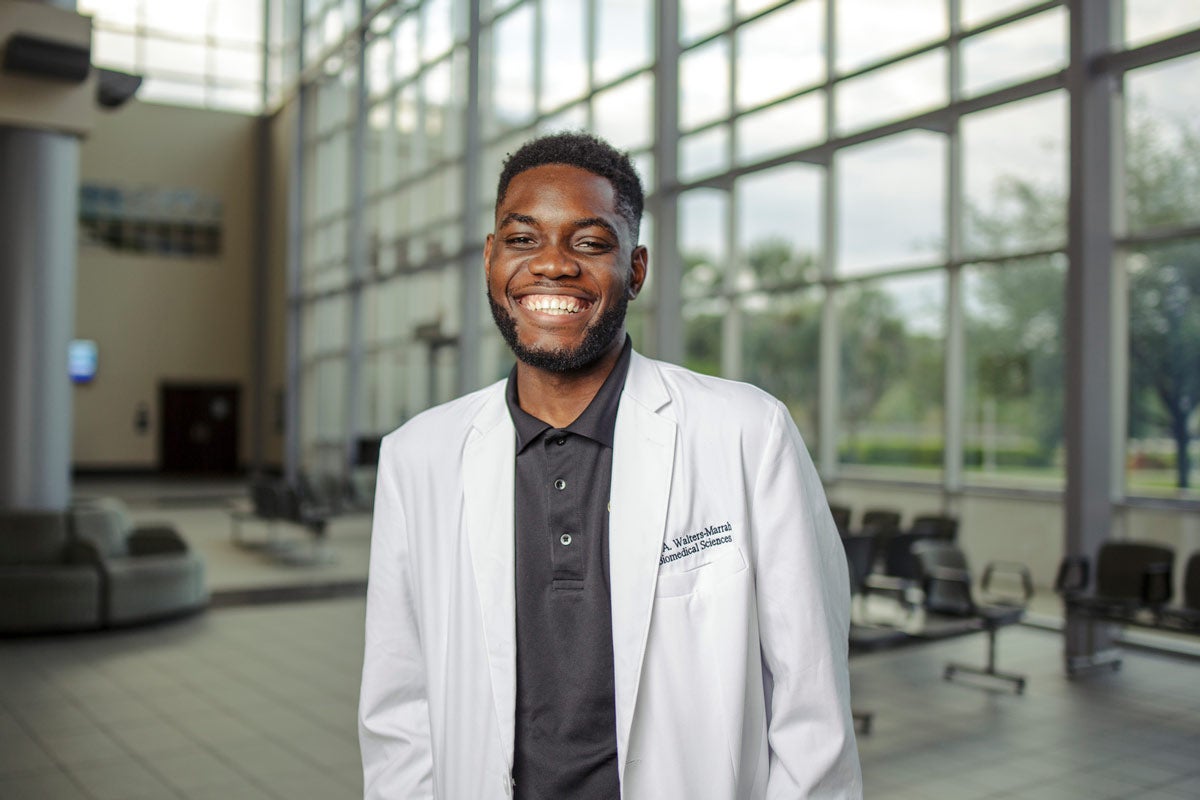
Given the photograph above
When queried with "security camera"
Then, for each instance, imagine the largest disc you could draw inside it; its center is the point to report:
(113, 89)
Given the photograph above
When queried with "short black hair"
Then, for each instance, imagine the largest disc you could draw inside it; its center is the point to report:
(588, 152)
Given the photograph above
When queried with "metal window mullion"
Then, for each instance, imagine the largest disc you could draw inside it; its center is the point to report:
(953, 418)
(668, 304)
(356, 250)
(829, 364)
(469, 359)
(295, 214)
(735, 257)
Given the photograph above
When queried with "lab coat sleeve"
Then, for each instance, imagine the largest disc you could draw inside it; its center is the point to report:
(393, 719)
(804, 614)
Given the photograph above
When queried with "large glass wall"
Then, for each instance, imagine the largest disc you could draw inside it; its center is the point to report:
(206, 53)
(869, 200)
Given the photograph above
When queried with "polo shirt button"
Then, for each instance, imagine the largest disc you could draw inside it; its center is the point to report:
(565, 539)
(560, 484)
(560, 441)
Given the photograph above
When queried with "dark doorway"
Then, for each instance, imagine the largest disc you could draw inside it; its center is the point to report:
(199, 428)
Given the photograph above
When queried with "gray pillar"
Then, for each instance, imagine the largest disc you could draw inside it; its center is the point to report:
(1089, 320)
(39, 173)
(665, 258)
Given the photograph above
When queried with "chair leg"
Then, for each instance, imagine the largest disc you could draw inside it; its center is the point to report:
(862, 721)
(989, 671)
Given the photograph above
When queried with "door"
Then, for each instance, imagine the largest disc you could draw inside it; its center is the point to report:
(199, 431)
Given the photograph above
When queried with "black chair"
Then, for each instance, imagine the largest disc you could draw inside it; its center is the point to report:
(860, 555)
(1186, 616)
(265, 508)
(880, 521)
(935, 526)
(951, 609)
(1131, 577)
(841, 518)
(897, 573)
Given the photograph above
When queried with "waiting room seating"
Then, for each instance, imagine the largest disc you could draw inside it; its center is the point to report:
(46, 582)
(1133, 586)
(146, 573)
(89, 568)
(841, 518)
(952, 609)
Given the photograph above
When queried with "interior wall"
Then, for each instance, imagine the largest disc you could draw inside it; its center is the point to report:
(161, 318)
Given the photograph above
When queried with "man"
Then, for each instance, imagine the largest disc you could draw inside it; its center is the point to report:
(606, 576)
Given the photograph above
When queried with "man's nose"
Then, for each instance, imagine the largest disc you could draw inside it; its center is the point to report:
(554, 262)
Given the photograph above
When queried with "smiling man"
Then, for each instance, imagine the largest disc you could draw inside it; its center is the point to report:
(605, 576)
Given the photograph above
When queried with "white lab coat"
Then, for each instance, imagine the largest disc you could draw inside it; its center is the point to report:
(730, 659)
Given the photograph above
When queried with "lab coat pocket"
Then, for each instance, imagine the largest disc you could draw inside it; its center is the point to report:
(678, 584)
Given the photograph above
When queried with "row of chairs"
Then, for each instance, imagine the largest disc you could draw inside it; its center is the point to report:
(310, 504)
(1134, 585)
(929, 580)
(885, 523)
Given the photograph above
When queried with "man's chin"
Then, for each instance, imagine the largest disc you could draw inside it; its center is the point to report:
(597, 340)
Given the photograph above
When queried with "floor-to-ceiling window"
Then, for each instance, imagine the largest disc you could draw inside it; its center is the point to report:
(870, 202)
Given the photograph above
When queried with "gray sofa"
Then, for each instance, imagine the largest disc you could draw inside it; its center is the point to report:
(46, 580)
(91, 568)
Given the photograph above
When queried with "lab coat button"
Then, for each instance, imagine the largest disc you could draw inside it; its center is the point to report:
(565, 539)
(560, 484)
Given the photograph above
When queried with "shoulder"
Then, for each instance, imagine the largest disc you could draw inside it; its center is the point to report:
(694, 393)
(447, 423)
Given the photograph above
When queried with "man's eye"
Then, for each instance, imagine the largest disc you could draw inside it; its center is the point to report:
(519, 241)
(599, 247)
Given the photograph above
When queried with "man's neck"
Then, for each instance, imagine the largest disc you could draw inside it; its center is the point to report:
(558, 398)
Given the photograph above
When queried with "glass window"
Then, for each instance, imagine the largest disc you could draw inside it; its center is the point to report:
(623, 113)
(113, 12)
(233, 21)
(892, 342)
(703, 241)
(781, 334)
(703, 153)
(977, 12)
(1013, 314)
(779, 224)
(237, 65)
(404, 45)
(868, 30)
(512, 68)
(115, 50)
(189, 20)
(780, 128)
(1015, 176)
(901, 90)
(624, 31)
(891, 196)
(174, 59)
(437, 33)
(1162, 145)
(780, 53)
(1150, 20)
(699, 18)
(1164, 382)
(704, 84)
(1020, 51)
(564, 53)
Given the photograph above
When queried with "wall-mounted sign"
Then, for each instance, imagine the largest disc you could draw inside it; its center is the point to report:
(152, 220)
(82, 359)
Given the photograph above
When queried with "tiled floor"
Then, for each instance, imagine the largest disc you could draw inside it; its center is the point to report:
(259, 702)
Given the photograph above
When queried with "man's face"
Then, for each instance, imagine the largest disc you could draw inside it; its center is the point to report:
(561, 267)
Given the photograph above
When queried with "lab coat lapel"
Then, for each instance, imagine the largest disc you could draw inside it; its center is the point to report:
(643, 460)
(488, 476)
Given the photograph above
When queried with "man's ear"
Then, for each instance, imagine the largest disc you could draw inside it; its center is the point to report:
(639, 261)
(487, 255)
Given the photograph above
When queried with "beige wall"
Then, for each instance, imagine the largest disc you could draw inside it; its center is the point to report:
(156, 319)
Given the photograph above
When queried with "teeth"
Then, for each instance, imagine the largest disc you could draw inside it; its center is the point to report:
(552, 304)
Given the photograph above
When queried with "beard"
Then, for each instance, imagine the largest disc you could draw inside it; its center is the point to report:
(597, 339)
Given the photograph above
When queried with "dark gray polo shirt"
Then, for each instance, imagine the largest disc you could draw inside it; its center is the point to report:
(566, 729)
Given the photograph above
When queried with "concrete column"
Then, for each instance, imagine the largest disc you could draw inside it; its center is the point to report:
(1089, 318)
(38, 218)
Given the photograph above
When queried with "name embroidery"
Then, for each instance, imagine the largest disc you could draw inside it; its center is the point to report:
(692, 543)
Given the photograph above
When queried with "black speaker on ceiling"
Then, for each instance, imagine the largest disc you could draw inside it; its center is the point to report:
(46, 58)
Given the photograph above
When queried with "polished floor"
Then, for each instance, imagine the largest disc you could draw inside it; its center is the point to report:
(258, 701)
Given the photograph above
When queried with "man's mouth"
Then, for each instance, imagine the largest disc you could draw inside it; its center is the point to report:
(556, 304)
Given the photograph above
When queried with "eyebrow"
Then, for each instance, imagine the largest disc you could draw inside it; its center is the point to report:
(585, 222)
